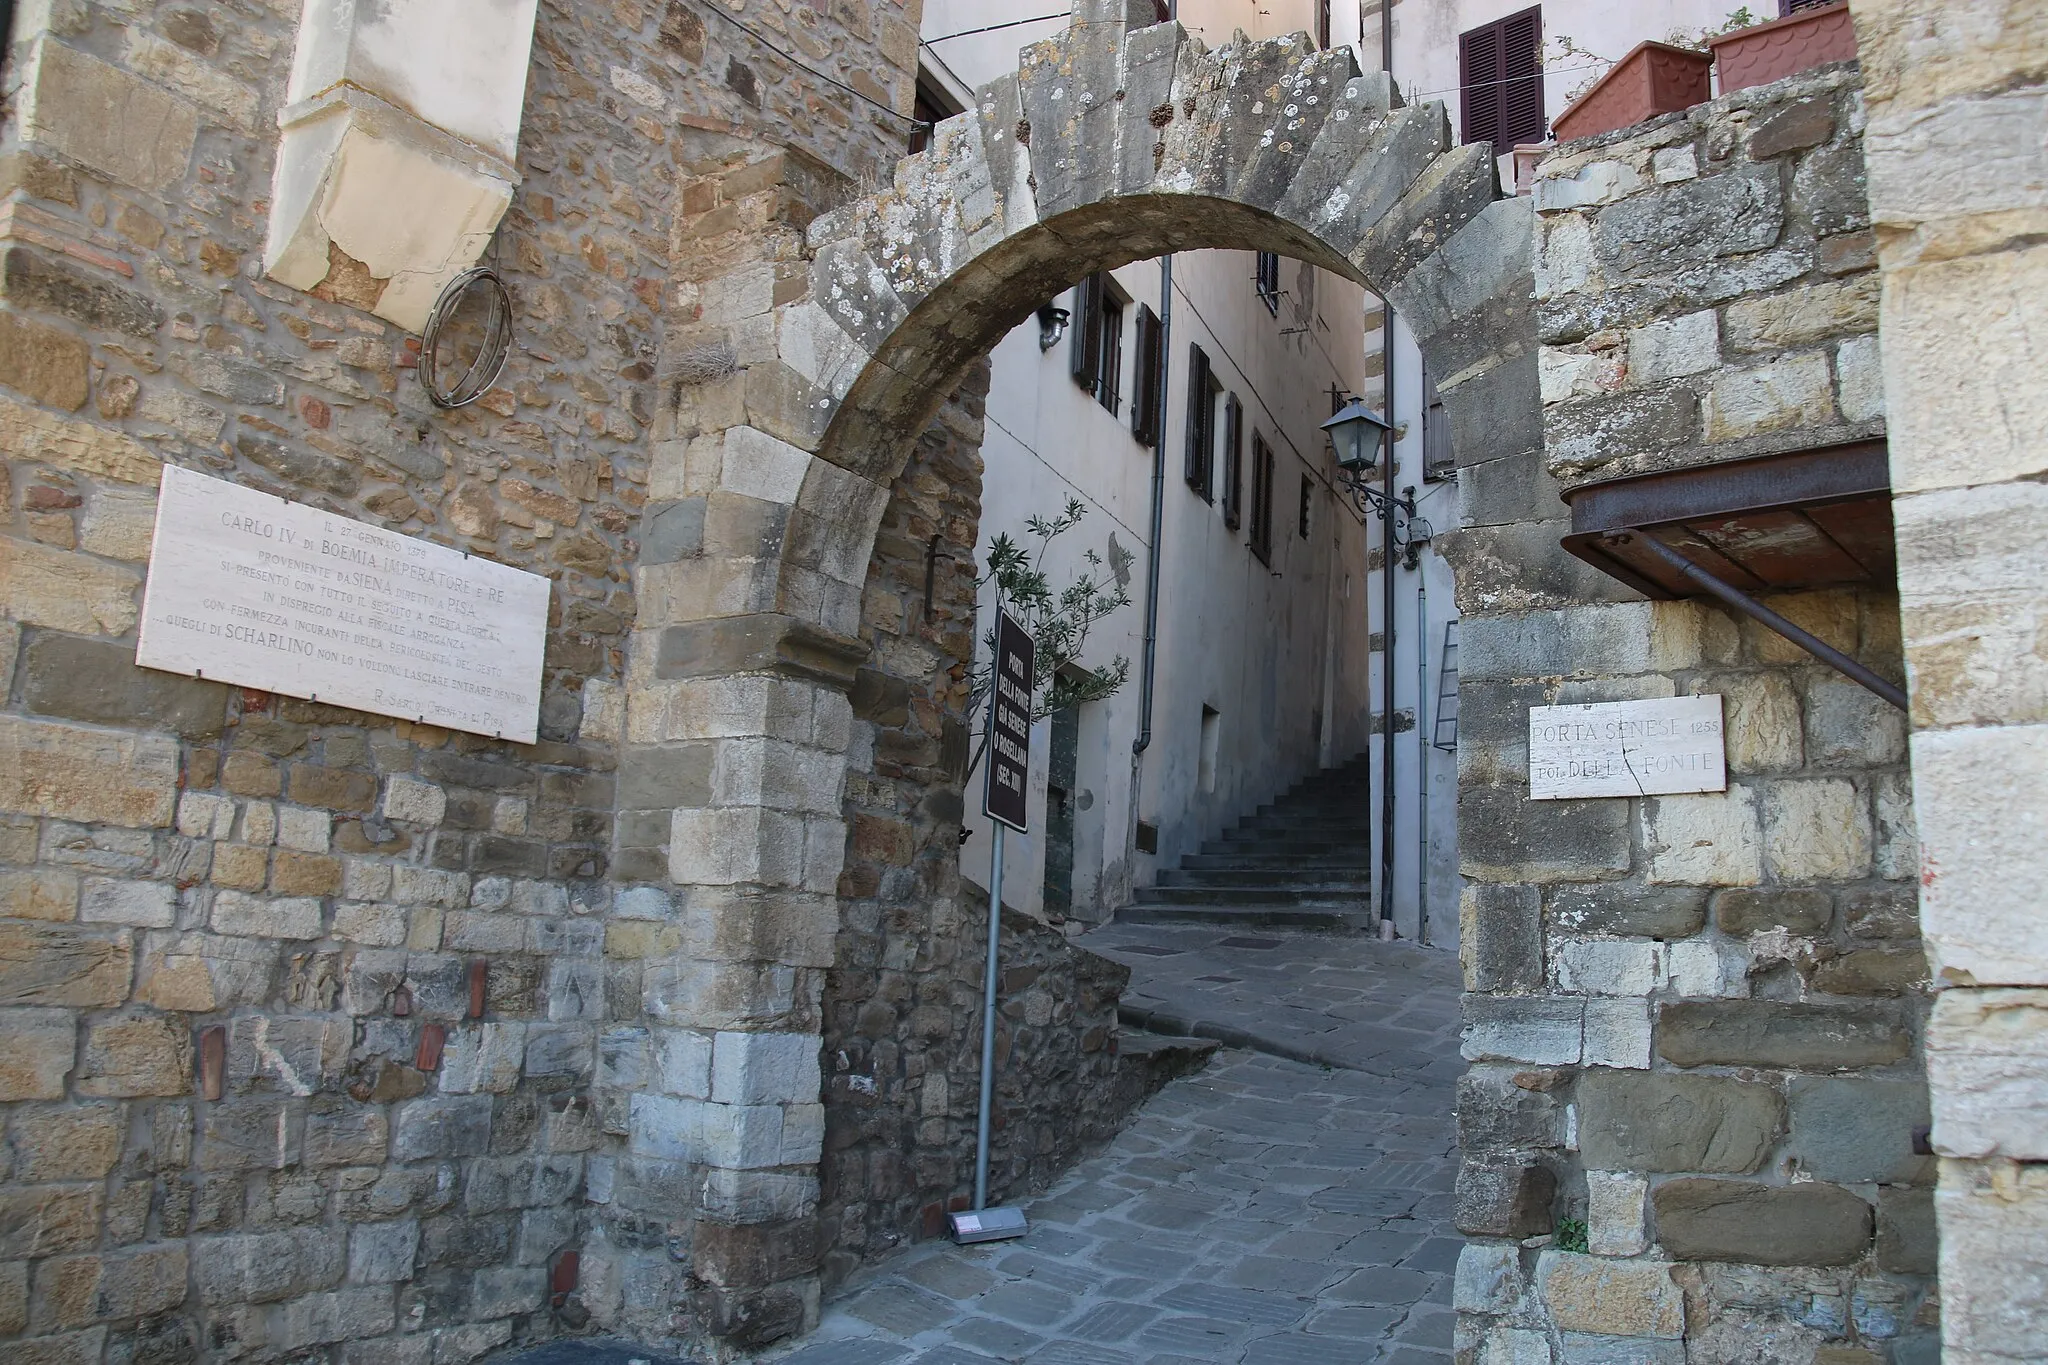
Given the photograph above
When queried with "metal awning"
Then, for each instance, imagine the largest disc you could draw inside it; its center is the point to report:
(1776, 523)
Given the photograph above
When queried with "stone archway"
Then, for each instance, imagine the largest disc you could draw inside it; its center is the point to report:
(808, 371)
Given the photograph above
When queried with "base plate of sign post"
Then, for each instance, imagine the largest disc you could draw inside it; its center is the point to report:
(987, 1225)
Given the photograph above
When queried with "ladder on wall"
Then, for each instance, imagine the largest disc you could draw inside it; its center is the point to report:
(1445, 734)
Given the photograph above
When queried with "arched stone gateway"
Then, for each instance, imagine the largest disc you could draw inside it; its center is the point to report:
(801, 377)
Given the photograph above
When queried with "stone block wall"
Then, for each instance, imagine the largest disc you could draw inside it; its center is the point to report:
(311, 1010)
(902, 1006)
(1957, 93)
(1695, 1023)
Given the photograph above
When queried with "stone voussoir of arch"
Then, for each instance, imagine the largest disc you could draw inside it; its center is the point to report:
(1116, 141)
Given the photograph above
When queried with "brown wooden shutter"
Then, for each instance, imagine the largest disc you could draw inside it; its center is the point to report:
(1521, 105)
(1323, 24)
(1145, 405)
(1201, 421)
(1085, 329)
(1501, 75)
(1233, 461)
(1262, 499)
(1479, 75)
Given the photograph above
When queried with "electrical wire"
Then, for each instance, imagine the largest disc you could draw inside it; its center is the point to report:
(991, 28)
(1484, 85)
(800, 65)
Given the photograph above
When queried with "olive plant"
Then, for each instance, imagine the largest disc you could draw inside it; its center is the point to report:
(1058, 621)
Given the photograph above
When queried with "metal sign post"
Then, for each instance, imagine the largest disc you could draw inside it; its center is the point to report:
(1003, 802)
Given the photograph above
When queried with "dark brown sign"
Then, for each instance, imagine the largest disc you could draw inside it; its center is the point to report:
(1009, 729)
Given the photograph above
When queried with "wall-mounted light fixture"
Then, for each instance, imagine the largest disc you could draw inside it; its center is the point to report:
(1359, 435)
(1052, 325)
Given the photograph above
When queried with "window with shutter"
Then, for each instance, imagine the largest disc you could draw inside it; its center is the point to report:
(1097, 328)
(1501, 81)
(1084, 332)
(1109, 378)
(1233, 461)
(1308, 488)
(1201, 452)
(1323, 24)
(1267, 281)
(1437, 460)
(1261, 535)
(1146, 406)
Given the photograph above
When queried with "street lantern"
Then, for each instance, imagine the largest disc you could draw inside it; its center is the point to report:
(1359, 436)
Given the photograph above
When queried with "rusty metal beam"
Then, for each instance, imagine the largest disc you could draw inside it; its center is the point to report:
(1757, 611)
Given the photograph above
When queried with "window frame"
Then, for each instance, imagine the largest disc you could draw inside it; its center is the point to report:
(1096, 332)
(1266, 280)
(1439, 461)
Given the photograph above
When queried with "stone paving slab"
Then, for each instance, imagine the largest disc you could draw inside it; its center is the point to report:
(1263, 1211)
(1328, 999)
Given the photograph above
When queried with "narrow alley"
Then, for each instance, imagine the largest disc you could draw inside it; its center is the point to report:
(1270, 1208)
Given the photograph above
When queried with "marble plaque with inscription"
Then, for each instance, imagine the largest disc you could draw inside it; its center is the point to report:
(253, 590)
(1664, 746)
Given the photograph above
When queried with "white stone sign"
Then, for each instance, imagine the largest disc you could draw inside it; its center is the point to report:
(250, 589)
(1627, 748)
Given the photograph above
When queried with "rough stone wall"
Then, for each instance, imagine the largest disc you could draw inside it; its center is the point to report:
(1696, 1019)
(1957, 93)
(902, 1007)
(328, 898)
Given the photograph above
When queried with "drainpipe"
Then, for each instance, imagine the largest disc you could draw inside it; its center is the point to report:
(1388, 803)
(1422, 633)
(1150, 658)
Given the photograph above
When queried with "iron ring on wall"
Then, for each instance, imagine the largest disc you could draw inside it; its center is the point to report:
(492, 353)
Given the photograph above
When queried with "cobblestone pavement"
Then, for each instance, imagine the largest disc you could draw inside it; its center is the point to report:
(1265, 1211)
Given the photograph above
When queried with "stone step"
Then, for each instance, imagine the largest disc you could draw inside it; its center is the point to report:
(1146, 1062)
(1286, 843)
(1276, 865)
(1304, 820)
(1296, 877)
(1325, 918)
(1268, 895)
(1309, 796)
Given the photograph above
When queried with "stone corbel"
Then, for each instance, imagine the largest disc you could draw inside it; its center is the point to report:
(395, 163)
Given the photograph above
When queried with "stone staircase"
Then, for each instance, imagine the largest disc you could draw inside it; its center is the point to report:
(1301, 862)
